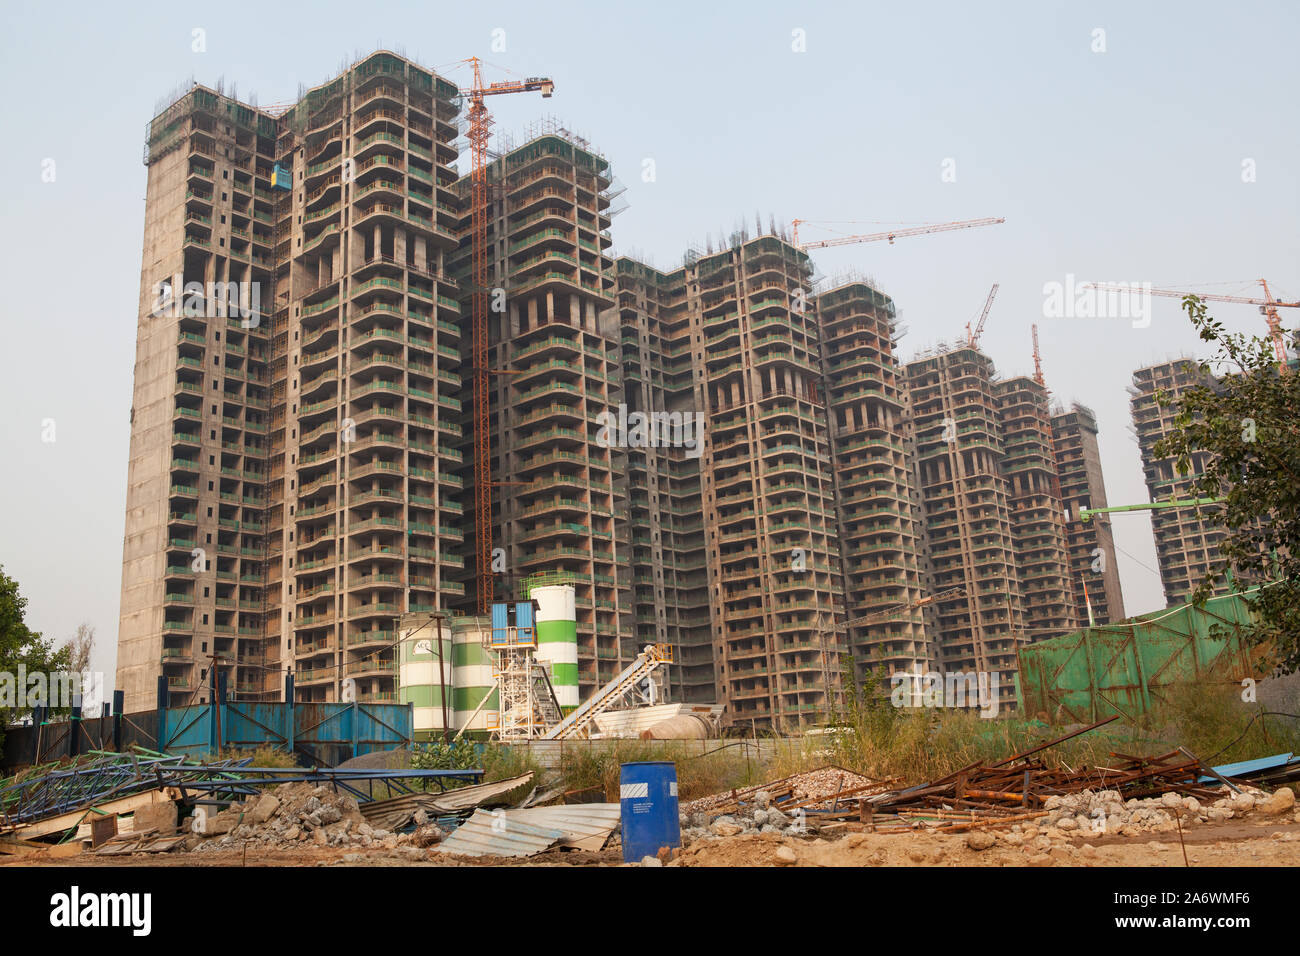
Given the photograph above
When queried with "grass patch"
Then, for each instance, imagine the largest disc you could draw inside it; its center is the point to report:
(1206, 717)
(698, 775)
(262, 756)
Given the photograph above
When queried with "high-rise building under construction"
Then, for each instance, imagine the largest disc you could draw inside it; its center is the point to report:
(726, 457)
(969, 534)
(559, 486)
(294, 483)
(1187, 538)
(1094, 572)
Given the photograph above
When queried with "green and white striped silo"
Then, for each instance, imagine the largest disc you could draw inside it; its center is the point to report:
(471, 675)
(557, 640)
(424, 674)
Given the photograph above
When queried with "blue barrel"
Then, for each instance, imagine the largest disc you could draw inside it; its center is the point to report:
(647, 793)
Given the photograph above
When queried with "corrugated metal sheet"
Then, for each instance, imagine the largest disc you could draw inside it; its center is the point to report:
(1094, 673)
(492, 834)
(466, 798)
(585, 826)
(394, 813)
(1247, 767)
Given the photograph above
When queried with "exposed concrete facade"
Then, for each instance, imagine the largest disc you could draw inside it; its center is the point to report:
(969, 536)
(1093, 563)
(1187, 539)
(560, 504)
(297, 483)
(193, 544)
(669, 577)
(292, 479)
(772, 552)
(365, 479)
(1037, 513)
(877, 504)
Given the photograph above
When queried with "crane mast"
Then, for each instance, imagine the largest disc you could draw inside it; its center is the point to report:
(480, 127)
(973, 338)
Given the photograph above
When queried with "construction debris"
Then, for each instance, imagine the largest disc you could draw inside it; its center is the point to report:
(584, 826)
(484, 834)
(398, 812)
(299, 814)
(55, 799)
(532, 830)
(1135, 794)
(812, 789)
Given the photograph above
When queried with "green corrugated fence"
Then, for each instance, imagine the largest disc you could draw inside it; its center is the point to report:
(1126, 669)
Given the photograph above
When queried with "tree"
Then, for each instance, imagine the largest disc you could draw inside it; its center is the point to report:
(20, 646)
(1243, 420)
(81, 647)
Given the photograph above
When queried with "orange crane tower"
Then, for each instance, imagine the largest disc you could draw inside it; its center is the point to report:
(1267, 305)
(973, 338)
(480, 125)
(1038, 358)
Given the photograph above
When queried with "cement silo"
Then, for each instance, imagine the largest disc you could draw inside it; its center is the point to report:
(425, 674)
(557, 640)
(471, 675)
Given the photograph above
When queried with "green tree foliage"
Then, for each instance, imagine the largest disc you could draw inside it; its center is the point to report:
(21, 646)
(1241, 424)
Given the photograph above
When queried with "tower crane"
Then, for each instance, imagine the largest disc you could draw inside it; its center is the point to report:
(891, 235)
(973, 338)
(896, 609)
(480, 126)
(1267, 305)
(1038, 358)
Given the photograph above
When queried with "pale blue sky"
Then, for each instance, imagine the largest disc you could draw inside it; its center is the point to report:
(1121, 165)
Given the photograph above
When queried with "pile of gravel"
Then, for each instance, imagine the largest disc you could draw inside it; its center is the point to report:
(759, 817)
(1103, 812)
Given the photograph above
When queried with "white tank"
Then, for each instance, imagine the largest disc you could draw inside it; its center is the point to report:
(471, 674)
(557, 640)
(424, 675)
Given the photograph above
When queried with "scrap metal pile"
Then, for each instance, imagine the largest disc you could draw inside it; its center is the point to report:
(134, 803)
(54, 800)
(1020, 788)
(97, 777)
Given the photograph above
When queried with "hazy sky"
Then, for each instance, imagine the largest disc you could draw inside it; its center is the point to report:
(1128, 164)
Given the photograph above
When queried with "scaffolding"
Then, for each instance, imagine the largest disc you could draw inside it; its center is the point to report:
(514, 670)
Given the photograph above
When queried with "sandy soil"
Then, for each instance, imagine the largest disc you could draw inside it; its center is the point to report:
(1232, 844)
(1261, 842)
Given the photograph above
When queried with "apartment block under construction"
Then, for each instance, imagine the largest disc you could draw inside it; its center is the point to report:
(559, 488)
(767, 487)
(725, 457)
(734, 527)
(878, 509)
(965, 496)
(1187, 539)
(670, 581)
(1094, 572)
(1037, 513)
(365, 520)
(294, 482)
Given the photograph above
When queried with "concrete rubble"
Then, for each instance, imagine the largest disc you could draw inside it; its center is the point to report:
(303, 815)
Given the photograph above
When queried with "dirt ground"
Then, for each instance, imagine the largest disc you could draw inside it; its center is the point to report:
(1233, 843)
